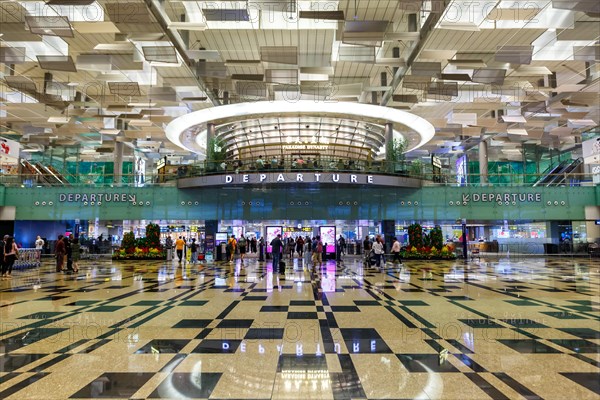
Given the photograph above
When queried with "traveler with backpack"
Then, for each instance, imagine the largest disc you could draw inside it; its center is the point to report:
(242, 243)
(231, 246)
(317, 256)
(276, 250)
(194, 251)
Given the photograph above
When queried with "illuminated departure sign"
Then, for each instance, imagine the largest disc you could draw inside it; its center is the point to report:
(299, 177)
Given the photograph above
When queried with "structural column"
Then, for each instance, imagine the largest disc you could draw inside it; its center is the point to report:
(118, 163)
(483, 162)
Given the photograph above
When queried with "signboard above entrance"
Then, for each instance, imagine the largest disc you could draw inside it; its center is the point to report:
(299, 178)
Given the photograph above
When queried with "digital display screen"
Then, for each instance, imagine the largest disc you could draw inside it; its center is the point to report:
(327, 234)
(221, 237)
(272, 232)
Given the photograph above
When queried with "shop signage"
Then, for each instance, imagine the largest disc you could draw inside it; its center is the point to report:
(96, 198)
(299, 177)
(305, 147)
(502, 198)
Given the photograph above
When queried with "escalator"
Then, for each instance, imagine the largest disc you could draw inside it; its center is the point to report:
(550, 173)
(561, 177)
(57, 175)
(35, 174)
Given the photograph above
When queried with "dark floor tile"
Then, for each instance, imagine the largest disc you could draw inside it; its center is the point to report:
(274, 309)
(413, 303)
(255, 298)
(585, 302)
(302, 303)
(264, 333)
(345, 309)
(106, 309)
(582, 308)
(235, 323)
(521, 302)
(366, 302)
(588, 380)
(83, 302)
(214, 346)
(481, 323)
(147, 303)
(12, 362)
(418, 362)
(563, 315)
(52, 298)
(584, 333)
(578, 345)
(350, 334)
(458, 298)
(302, 315)
(192, 323)
(528, 346)
(187, 385)
(119, 385)
(193, 303)
(160, 346)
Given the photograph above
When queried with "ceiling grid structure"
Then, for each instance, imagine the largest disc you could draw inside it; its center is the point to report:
(539, 63)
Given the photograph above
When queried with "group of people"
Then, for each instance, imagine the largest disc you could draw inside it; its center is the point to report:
(243, 246)
(68, 253)
(312, 250)
(376, 248)
(180, 246)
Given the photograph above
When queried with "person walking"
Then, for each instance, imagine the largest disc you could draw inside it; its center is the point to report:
(317, 248)
(300, 246)
(242, 243)
(68, 254)
(10, 256)
(59, 253)
(378, 250)
(75, 253)
(307, 250)
(194, 251)
(39, 243)
(231, 247)
(179, 246)
(396, 251)
(276, 250)
(253, 245)
(169, 247)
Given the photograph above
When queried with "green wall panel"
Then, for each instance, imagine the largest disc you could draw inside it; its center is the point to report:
(261, 203)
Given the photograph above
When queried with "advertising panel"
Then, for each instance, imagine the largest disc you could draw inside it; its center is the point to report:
(327, 234)
(272, 232)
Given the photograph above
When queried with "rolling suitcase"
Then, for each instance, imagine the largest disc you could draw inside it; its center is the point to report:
(282, 267)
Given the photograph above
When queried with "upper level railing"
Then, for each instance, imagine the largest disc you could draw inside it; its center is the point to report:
(406, 169)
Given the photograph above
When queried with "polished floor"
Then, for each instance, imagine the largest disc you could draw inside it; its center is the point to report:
(499, 328)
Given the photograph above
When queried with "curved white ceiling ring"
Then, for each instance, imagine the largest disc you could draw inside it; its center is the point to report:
(189, 131)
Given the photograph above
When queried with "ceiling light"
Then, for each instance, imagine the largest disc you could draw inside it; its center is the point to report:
(59, 120)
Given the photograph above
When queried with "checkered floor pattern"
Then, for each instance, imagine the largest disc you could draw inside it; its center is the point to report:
(499, 328)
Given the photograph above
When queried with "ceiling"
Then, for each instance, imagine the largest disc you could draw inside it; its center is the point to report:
(95, 73)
